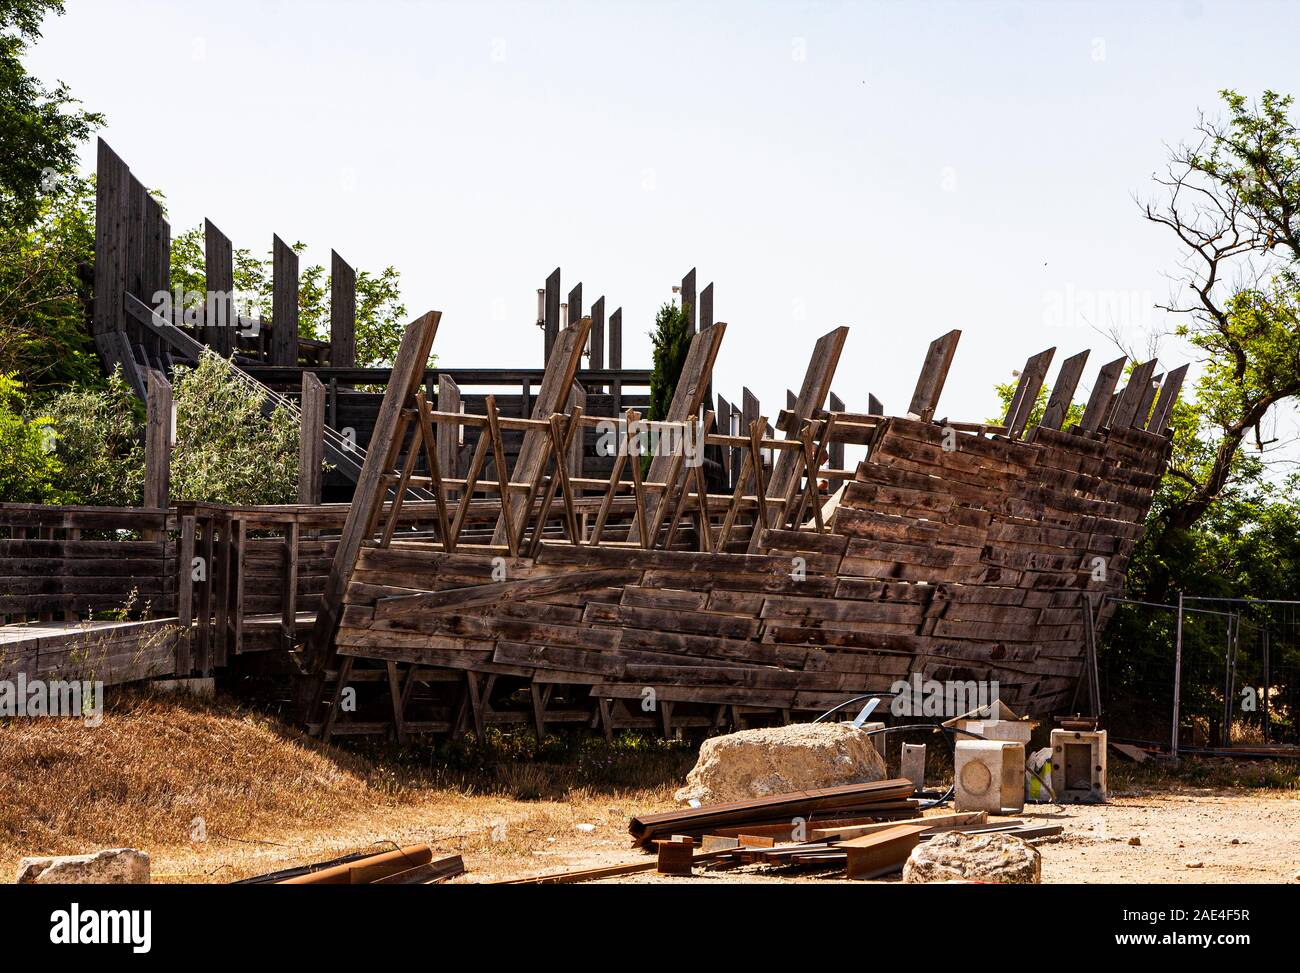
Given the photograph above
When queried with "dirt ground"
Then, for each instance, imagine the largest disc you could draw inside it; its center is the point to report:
(1184, 835)
(215, 792)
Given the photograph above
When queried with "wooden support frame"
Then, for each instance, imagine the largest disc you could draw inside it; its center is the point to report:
(408, 373)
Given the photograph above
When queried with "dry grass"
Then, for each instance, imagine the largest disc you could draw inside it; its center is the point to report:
(268, 797)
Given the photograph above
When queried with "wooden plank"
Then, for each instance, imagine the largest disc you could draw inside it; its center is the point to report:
(551, 319)
(158, 442)
(284, 304)
(689, 300)
(185, 594)
(220, 318)
(311, 440)
(1164, 410)
(449, 434)
(812, 393)
(1026, 394)
(925, 398)
(1099, 401)
(343, 313)
(1126, 407)
(1067, 380)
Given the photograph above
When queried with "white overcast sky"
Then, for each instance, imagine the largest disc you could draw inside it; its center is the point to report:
(900, 167)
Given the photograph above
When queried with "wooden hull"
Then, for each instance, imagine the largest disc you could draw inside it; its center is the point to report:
(951, 555)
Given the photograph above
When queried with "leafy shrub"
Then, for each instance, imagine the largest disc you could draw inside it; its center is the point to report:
(99, 444)
(30, 470)
(227, 451)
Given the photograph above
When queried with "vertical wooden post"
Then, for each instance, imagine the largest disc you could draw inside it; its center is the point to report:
(1178, 674)
(448, 435)
(1026, 394)
(688, 299)
(835, 452)
(596, 340)
(343, 313)
(158, 442)
(202, 660)
(284, 304)
(311, 440)
(706, 307)
(724, 427)
(925, 398)
(576, 405)
(185, 592)
(1102, 390)
(552, 314)
(238, 547)
(1067, 380)
(219, 307)
(575, 304)
(616, 357)
(289, 593)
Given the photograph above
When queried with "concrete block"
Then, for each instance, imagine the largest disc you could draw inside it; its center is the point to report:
(1079, 766)
(912, 764)
(990, 776)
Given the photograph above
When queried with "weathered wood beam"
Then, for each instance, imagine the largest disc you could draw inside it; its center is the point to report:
(1164, 410)
(1126, 408)
(343, 313)
(551, 320)
(929, 386)
(284, 303)
(1026, 394)
(1099, 401)
(158, 441)
(1067, 380)
(220, 319)
(311, 440)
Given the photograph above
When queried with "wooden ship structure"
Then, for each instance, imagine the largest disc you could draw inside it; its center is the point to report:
(502, 547)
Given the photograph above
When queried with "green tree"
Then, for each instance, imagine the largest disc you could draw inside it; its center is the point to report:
(227, 450)
(1232, 199)
(45, 292)
(30, 470)
(40, 127)
(671, 340)
(1006, 392)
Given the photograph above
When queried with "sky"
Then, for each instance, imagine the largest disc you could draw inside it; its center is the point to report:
(903, 168)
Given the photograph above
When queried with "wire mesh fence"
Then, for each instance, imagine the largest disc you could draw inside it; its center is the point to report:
(1202, 673)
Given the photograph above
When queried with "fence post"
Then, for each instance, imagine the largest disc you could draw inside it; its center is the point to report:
(1178, 673)
(158, 441)
(311, 440)
(185, 592)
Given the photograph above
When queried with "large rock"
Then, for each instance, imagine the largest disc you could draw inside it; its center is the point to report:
(1000, 858)
(775, 760)
(113, 866)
